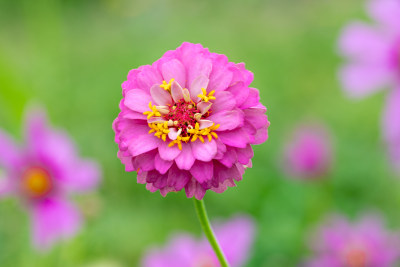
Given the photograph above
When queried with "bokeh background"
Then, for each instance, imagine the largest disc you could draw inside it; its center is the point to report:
(72, 56)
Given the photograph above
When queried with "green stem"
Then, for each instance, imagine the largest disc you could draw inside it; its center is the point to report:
(205, 224)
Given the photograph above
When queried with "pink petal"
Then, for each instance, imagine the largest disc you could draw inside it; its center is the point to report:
(168, 153)
(235, 138)
(9, 151)
(199, 66)
(53, 220)
(363, 79)
(205, 124)
(240, 92)
(162, 165)
(186, 159)
(204, 151)
(160, 96)
(137, 100)
(252, 100)
(256, 117)
(228, 120)
(244, 154)
(220, 77)
(84, 175)
(224, 101)
(156, 120)
(202, 171)
(261, 136)
(143, 143)
(204, 106)
(364, 43)
(176, 92)
(386, 12)
(174, 69)
(195, 88)
(147, 77)
(173, 133)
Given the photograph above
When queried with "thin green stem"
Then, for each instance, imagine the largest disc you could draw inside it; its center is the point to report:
(205, 224)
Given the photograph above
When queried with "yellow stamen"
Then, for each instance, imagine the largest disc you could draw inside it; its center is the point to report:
(206, 97)
(167, 86)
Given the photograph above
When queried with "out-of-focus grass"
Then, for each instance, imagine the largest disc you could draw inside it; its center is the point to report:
(72, 56)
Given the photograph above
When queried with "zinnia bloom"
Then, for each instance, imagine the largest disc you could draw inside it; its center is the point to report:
(42, 174)
(235, 238)
(188, 120)
(373, 51)
(308, 154)
(374, 62)
(365, 243)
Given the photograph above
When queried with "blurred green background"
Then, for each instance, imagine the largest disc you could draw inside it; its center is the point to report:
(72, 56)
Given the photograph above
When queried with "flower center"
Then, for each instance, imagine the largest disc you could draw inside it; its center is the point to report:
(36, 182)
(183, 119)
(356, 257)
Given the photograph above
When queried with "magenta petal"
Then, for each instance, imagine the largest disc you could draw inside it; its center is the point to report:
(186, 159)
(235, 138)
(143, 143)
(240, 91)
(53, 220)
(137, 100)
(244, 154)
(168, 153)
(204, 151)
(162, 165)
(261, 136)
(160, 96)
(202, 171)
(145, 162)
(252, 100)
(228, 120)
(174, 69)
(177, 178)
(229, 157)
(256, 117)
(193, 188)
(9, 151)
(224, 101)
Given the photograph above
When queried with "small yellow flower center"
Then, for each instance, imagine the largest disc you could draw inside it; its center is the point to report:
(206, 97)
(36, 182)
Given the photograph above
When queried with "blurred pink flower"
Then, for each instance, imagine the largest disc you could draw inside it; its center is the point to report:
(308, 154)
(373, 51)
(42, 174)
(364, 244)
(188, 120)
(235, 238)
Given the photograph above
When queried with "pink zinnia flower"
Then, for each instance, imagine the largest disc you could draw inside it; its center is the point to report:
(373, 51)
(188, 120)
(366, 243)
(235, 238)
(42, 174)
(308, 154)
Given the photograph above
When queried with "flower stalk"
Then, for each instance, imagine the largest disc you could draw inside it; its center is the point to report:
(205, 224)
